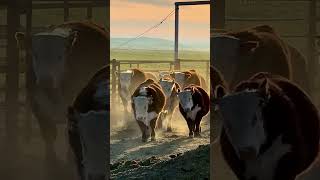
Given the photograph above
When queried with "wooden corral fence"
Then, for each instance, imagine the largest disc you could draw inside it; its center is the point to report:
(14, 67)
(220, 22)
(117, 66)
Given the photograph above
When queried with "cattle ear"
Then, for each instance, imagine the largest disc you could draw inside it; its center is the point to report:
(249, 46)
(220, 92)
(20, 38)
(188, 74)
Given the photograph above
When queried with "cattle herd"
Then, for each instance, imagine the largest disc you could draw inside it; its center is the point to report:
(154, 99)
(263, 116)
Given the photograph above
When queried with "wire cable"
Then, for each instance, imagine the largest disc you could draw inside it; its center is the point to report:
(146, 31)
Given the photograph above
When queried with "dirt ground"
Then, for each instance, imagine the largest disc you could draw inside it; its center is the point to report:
(173, 154)
(26, 160)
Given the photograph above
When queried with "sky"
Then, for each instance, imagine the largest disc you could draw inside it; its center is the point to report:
(132, 17)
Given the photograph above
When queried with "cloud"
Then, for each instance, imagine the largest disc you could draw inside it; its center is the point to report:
(131, 19)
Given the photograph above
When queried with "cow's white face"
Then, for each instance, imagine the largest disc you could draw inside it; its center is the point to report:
(243, 122)
(125, 79)
(49, 57)
(141, 104)
(163, 74)
(93, 129)
(167, 86)
(180, 77)
(186, 100)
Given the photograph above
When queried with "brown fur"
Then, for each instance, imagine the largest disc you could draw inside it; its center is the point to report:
(289, 112)
(154, 91)
(272, 55)
(171, 104)
(83, 103)
(88, 53)
(200, 97)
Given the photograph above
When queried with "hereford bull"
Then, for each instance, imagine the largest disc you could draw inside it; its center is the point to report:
(241, 54)
(63, 59)
(186, 78)
(194, 104)
(148, 101)
(128, 82)
(170, 89)
(88, 127)
(270, 128)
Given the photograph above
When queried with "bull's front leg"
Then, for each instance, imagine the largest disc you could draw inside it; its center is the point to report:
(152, 129)
(169, 121)
(190, 126)
(197, 127)
(144, 130)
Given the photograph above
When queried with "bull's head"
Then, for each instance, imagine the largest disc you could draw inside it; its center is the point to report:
(181, 77)
(243, 120)
(167, 86)
(125, 79)
(186, 99)
(93, 132)
(49, 52)
(228, 52)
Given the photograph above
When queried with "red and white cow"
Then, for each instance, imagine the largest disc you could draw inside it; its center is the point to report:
(148, 101)
(171, 90)
(194, 104)
(270, 128)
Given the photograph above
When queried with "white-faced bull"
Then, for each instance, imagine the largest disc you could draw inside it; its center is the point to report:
(170, 89)
(128, 81)
(148, 101)
(88, 127)
(194, 104)
(243, 53)
(270, 128)
(63, 60)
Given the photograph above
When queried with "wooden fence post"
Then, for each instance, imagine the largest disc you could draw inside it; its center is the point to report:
(114, 79)
(12, 73)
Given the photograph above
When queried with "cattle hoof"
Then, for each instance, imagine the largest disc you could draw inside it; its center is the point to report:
(169, 129)
(144, 140)
(153, 138)
(191, 135)
(197, 135)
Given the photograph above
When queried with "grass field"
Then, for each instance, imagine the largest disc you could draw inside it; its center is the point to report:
(162, 55)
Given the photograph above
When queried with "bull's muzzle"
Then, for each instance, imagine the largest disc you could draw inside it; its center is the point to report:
(187, 109)
(141, 118)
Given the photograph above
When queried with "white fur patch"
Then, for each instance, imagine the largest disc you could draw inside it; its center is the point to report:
(167, 87)
(180, 78)
(185, 98)
(143, 91)
(125, 79)
(264, 167)
(93, 129)
(192, 114)
(125, 94)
